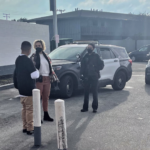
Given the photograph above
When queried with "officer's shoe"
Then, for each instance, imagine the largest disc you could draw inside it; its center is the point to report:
(94, 111)
(84, 110)
(30, 132)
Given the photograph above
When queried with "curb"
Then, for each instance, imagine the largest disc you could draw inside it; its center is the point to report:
(6, 86)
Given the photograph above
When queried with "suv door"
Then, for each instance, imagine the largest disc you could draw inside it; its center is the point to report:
(111, 64)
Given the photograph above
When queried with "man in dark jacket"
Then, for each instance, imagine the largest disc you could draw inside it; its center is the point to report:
(24, 80)
(90, 67)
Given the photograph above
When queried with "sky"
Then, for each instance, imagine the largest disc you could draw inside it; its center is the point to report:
(37, 8)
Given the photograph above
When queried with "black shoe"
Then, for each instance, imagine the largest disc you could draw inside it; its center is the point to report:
(41, 122)
(47, 117)
(84, 110)
(30, 132)
(24, 130)
(94, 111)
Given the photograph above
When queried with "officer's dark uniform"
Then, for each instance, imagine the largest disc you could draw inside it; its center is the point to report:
(90, 67)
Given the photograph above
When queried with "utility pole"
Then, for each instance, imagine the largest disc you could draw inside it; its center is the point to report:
(53, 8)
(6, 16)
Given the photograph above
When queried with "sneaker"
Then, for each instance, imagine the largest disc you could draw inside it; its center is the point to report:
(94, 111)
(30, 132)
(24, 130)
(41, 122)
(84, 110)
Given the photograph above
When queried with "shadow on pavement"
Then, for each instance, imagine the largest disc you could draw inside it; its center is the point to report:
(108, 99)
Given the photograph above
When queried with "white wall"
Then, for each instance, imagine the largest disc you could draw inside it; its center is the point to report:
(12, 34)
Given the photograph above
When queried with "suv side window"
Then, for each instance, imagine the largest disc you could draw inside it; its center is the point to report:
(95, 50)
(106, 53)
(120, 53)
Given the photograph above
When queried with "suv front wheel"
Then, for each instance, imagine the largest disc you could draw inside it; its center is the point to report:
(120, 81)
(66, 86)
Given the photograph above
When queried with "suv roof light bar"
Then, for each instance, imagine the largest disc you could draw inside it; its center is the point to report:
(85, 42)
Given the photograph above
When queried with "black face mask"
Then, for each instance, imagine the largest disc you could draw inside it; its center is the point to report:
(39, 50)
(89, 50)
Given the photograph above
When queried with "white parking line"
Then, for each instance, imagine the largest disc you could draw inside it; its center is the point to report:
(138, 75)
(17, 96)
(129, 87)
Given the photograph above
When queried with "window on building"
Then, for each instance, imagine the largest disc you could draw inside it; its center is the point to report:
(95, 23)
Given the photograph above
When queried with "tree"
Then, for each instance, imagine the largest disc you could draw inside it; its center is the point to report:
(22, 20)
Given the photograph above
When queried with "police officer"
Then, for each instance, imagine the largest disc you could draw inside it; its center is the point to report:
(90, 67)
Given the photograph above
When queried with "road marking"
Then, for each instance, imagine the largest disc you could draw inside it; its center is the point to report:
(17, 96)
(140, 118)
(10, 99)
(129, 87)
(138, 75)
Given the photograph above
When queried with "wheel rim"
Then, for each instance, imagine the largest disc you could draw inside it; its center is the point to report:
(69, 87)
(121, 82)
(133, 58)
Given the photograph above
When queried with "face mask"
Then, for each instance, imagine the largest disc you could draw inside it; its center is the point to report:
(89, 50)
(39, 50)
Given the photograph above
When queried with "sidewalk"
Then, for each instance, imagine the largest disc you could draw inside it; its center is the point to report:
(8, 94)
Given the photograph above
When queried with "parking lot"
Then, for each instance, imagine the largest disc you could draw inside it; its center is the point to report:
(122, 121)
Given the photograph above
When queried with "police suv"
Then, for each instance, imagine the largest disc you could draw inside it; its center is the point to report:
(66, 61)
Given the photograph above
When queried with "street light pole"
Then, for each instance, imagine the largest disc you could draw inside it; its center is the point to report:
(55, 30)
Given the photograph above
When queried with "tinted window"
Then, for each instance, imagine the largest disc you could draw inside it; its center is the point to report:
(105, 53)
(143, 49)
(120, 52)
(66, 53)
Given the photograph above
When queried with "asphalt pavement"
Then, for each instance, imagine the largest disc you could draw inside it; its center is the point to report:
(122, 121)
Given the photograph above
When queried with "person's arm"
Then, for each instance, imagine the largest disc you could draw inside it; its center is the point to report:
(100, 63)
(53, 72)
(15, 80)
(35, 74)
(32, 70)
(82, 66)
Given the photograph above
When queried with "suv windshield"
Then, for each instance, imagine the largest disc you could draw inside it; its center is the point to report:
(66, 53)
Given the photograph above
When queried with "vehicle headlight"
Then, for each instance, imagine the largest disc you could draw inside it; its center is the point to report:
(56, 68)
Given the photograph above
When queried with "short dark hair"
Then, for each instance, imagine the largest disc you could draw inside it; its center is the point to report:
(93, 45)
(26, 46)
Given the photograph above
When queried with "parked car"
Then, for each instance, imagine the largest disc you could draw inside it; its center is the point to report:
(147, 73)
(66, 61)
(141, 54)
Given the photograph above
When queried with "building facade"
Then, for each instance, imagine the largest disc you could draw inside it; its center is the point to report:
(93, 25)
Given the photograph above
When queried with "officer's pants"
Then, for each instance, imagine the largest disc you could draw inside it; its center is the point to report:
(93, 83)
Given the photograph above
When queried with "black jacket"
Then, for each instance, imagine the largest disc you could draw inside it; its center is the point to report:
(22, 75)
(91, 65)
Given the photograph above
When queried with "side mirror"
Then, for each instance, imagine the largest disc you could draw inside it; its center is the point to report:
(78, 57)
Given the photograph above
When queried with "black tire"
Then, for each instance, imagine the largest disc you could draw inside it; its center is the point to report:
(147, 81)
(66, 87)
(120, 81)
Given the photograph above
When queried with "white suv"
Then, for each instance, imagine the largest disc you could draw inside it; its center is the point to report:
(66, 62)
